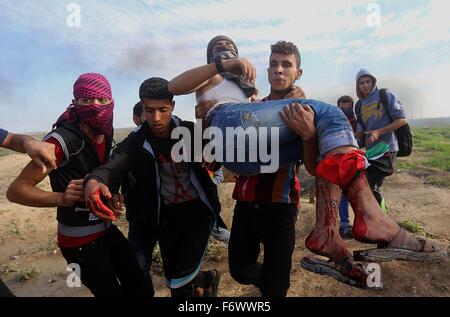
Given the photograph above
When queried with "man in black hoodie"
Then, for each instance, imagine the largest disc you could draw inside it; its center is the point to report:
(177, 201)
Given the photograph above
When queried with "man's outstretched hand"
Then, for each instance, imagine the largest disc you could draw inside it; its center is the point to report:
(94, 191)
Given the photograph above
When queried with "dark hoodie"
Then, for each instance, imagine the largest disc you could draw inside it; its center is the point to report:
(136, 152)
(373, 115)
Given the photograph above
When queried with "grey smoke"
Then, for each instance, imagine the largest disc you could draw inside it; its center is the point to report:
(153, 57)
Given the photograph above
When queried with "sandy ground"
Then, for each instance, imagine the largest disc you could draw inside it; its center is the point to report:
(31, 264)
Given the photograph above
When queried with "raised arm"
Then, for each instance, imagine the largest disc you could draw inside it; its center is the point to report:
(42, 153)
(192, 80)
(199, 77)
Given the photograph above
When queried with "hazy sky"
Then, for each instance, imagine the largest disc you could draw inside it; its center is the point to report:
(42, 54)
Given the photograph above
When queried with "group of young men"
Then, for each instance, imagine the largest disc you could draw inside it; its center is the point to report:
(176, 203)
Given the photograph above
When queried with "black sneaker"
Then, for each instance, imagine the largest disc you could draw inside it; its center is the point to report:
(346, 234)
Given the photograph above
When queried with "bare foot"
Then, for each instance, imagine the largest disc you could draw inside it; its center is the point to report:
(405, 240)
(371, 225)
(404, 247)
(327, 243)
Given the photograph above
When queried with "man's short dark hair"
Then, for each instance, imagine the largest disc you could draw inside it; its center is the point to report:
(288, 48)
(345, 99)
(155, 88)
(137, 109)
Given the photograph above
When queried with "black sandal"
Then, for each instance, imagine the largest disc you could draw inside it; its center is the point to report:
(337, 270)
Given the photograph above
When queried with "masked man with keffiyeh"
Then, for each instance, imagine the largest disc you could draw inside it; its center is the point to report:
(82, 137)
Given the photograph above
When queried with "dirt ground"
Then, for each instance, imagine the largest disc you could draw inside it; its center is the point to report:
(31, 264)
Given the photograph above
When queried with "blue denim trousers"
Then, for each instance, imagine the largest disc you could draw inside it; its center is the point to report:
(333, 130)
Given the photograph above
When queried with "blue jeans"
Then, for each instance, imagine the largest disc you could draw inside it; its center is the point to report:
(344, 218)
(333, 130)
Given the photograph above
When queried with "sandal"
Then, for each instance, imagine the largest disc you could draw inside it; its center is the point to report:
(343, 270)
(404, 246)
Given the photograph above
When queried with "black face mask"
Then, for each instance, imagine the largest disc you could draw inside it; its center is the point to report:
(224, 53)
(214, 42)
(349, 113)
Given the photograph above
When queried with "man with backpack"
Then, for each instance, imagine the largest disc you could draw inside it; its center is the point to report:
(380, 117)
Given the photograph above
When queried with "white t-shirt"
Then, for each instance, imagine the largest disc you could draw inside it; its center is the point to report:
(225, 92)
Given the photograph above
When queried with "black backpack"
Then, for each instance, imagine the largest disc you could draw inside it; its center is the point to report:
(403, 134)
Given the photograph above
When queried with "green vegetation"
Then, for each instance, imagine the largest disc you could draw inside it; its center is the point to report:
(404, 165)
(435, 144)
(49, 246)
(437, 181)
(21, 274)
(431, 156)
(413, 227)
(6, 269)
(26, 274)
(13, 228)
